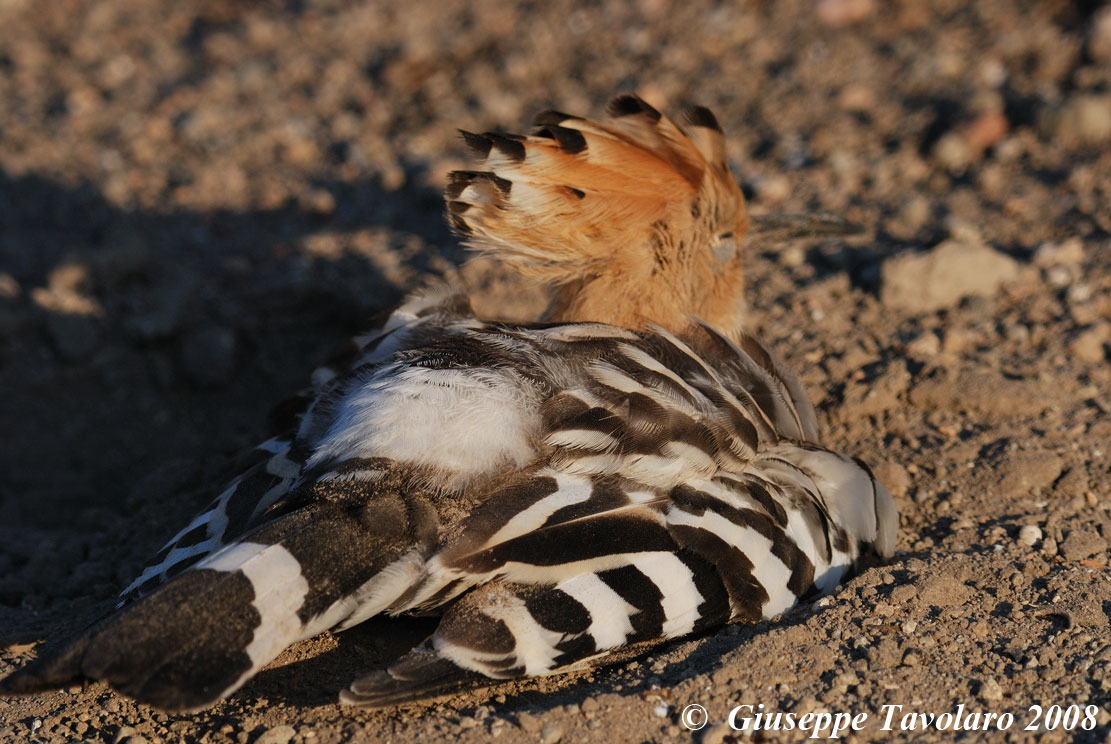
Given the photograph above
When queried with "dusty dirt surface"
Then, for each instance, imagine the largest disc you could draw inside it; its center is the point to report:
(198, 199)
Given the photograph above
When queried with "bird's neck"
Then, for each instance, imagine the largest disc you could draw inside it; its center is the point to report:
(651, 300)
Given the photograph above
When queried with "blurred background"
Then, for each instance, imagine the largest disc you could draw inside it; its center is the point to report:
(198, 199)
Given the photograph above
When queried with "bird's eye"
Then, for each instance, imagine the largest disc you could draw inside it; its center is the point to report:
(723, 247)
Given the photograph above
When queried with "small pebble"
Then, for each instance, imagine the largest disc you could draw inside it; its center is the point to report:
(1085, 120)
(550, 734)
(837, 13)
(529, 723)
(952, 152)
(1029, 535)
(716, 734)
(1059, 276)
(792, 256)
(926, 345)
(9, 287)
(990, 691)
(276, 735)
(1099, 35)
(1088, 346)
(1069, 252)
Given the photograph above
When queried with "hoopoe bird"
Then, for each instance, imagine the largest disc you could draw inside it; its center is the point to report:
(636, 467)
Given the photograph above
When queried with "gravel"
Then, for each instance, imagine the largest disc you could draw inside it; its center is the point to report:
(1085, 120)
(199, 200)
(529, 723)
(277, 735)
(550, 734)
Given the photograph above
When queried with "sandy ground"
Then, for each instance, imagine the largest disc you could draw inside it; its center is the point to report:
(198, 199)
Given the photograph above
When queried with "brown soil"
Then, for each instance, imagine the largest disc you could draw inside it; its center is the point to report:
(198, 199)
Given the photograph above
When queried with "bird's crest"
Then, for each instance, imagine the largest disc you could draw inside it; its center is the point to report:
(634, 221)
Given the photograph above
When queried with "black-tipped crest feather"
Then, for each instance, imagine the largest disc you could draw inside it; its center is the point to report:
(632, 105)
(700, 116)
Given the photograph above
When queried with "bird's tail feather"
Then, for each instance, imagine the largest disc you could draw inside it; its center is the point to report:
(418, 675)
(199, 637)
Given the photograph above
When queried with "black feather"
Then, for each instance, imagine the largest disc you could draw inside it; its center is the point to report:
(478, 144)
(418, 675)
(571, 141)
(630, 105)
(508, 145)
(552, 118)
(700, 116)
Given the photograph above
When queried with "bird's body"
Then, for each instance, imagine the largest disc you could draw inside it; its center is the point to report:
(556, 491)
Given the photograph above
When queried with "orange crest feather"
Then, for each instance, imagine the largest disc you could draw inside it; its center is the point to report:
(634, 221)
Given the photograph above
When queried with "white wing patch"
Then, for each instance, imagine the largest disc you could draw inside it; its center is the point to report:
(570, 491)
(464, 423)
(609, 612)
(675, 581)
(280, 591)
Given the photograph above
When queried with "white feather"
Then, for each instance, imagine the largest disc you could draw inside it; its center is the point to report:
(569, 490)
(675, 581)
(535, 649)
(375, 596)
(772, 573)
(609, 612)
(465, 423)
(280, 590)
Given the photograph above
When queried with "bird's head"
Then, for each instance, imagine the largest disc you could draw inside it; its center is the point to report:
(633, 221)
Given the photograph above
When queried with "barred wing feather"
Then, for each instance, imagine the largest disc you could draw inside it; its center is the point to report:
(558, 492)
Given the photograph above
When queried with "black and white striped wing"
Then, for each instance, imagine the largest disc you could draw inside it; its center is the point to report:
(668, 502)
(228, 516)
(558, 492)
(576, 567)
